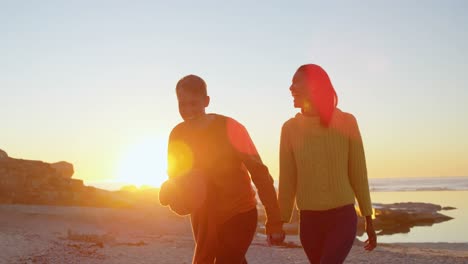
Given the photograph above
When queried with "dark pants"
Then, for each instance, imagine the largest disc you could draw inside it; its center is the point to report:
(235, 237)
(327, 236)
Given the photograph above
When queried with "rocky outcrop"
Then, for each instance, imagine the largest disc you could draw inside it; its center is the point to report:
(37, 182)
(389, 218)
(3, 154)
(64, 168)
(401, 217)
(30, 181)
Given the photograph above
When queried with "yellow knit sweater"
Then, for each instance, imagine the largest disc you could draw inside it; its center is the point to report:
(322, 168)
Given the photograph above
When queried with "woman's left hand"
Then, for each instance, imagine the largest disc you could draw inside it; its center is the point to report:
(371, 241)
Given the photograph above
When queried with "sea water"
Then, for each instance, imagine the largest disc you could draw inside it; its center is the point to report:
(444, 191)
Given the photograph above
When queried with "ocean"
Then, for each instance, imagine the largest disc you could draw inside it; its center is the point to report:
(444, 191)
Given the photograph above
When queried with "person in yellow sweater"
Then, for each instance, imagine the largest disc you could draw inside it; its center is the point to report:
(323, 170)
(212, 162)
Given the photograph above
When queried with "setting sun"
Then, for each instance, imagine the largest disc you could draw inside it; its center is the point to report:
(143, 163)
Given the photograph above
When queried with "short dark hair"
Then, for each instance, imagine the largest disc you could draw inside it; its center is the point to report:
(193, 84)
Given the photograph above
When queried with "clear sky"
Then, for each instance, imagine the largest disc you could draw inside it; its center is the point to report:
(92, 82)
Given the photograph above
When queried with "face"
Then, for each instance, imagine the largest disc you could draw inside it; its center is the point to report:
(299, 90)
(192, 106)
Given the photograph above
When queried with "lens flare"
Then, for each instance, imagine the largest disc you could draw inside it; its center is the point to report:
(180, 159)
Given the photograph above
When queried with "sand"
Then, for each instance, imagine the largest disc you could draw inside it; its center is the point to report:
(49, 234)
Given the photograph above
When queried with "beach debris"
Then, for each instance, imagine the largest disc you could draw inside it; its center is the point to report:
(96, 239)
(136, 244)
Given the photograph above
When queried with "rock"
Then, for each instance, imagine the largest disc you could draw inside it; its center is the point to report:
(3, 154)
(401, 217)
(447, 208)
(35, 182)
(40, 183)
(389, 218)
(64, 168)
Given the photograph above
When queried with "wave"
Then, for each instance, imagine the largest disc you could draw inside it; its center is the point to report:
(419, 184)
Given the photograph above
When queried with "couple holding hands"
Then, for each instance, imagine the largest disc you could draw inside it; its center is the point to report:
(212, 162)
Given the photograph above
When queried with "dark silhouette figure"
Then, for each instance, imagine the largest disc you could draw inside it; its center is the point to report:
(210, 158)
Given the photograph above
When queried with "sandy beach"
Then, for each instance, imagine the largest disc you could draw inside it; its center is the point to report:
(53, 234)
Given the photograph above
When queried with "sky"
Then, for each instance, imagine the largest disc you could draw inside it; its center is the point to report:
(92, 82)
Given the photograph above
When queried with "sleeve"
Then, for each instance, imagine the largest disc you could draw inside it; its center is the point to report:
(287, 178)
(171, 156)
(168, 189)
(260, 175)
(179, 157)
(357, 169)
(177, 192)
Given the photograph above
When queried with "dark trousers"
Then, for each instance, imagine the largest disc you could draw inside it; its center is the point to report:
(327, 236)
(235, 237)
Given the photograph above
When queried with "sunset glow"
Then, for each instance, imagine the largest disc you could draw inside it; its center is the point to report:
(96, 86)
(143, 163)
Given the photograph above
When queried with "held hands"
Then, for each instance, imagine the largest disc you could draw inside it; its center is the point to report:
(371, 241)
(276, 239)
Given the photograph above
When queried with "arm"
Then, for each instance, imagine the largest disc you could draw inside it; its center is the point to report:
(179, 157)
(260, 176)
(371, 241)
(178, 164)
(168, 188)
(357, 169)
(359, 181)
(287, 178)
(171, 156)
